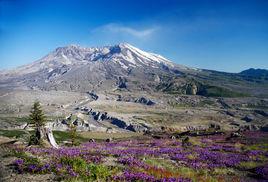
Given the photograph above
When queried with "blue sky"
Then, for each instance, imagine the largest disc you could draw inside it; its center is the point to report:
(225, 35)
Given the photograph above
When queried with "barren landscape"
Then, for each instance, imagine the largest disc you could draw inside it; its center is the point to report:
(138, 117)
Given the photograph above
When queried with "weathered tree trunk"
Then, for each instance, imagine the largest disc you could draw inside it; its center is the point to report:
(45, 137)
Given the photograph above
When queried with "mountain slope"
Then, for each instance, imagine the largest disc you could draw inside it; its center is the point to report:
(81, 69)
(255, 73)
(123, 66)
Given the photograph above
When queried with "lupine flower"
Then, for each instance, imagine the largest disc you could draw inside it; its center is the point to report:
(262, 171)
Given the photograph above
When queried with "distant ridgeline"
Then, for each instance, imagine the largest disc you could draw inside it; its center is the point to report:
(126, 68)
(252, 73)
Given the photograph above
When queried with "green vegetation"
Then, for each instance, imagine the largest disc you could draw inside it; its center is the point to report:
(61, 136)
(13, 133)
(103, 135)
(186, 172)
(73, 135)
(263, 146)
(28, 160)
(37, 116)
(13, 120)
(172, 88)
(249, 165)
(211, 158)
(87, 171)
(214, 91)
(77, 163)
(206, 102)
(203, 89)
(99, 172)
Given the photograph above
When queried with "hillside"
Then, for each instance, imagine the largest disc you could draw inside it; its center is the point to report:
(123, 66)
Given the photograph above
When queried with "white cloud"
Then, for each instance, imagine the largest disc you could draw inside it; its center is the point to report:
(117, 28)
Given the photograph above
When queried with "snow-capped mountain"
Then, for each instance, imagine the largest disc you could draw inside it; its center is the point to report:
(125, 55)
(122, 66)
(77, 68)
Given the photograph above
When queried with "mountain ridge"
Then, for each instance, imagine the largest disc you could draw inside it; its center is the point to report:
(75, 54)
(255, 72)
(76, 46)
(122, 66)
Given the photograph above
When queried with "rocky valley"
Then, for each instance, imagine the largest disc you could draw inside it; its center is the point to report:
(121, 88)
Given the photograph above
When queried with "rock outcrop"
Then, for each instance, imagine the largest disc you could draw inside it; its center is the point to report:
(101, 117)
(137, 127)
(264, 128)
(143, 100)
(93, 95)
(122, 82)
(248, 118)
(249, 127)
(191, 89)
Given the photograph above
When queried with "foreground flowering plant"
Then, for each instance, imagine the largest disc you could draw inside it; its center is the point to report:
(207, 159)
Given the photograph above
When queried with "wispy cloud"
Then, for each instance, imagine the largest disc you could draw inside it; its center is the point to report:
(121, 29)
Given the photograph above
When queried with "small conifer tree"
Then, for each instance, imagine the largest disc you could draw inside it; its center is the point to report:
(37, 118)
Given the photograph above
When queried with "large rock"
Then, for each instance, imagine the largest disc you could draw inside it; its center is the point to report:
(194, 127)
(122, 82)
(78, 123)
(119, 123)
(264, 128)
(22, 127)
(249, 127)
(93, 95)
(143, 100)
(191, 89)
(135, 127)
(57, 125)
(215, 126)
(248, 118)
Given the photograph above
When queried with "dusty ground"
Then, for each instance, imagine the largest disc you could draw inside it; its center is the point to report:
(174, 111)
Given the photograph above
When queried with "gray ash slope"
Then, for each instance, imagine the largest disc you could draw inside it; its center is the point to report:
(123, 66)
(81, 69)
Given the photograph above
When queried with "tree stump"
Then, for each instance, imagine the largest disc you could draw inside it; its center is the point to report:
(43, 136)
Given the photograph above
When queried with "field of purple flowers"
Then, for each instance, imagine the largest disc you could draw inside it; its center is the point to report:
(206, 158)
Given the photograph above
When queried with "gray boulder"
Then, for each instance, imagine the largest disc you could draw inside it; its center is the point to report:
(143, 100)
(122, 82)
(248, 118)
(119, 123)
(264, 128)
(137, 128)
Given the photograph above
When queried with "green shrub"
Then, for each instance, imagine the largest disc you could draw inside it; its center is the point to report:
(78, 164)
(17, 153)
(87, 172)
(37, 116)
(61, 136)
(99, 172)
(73, 135)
